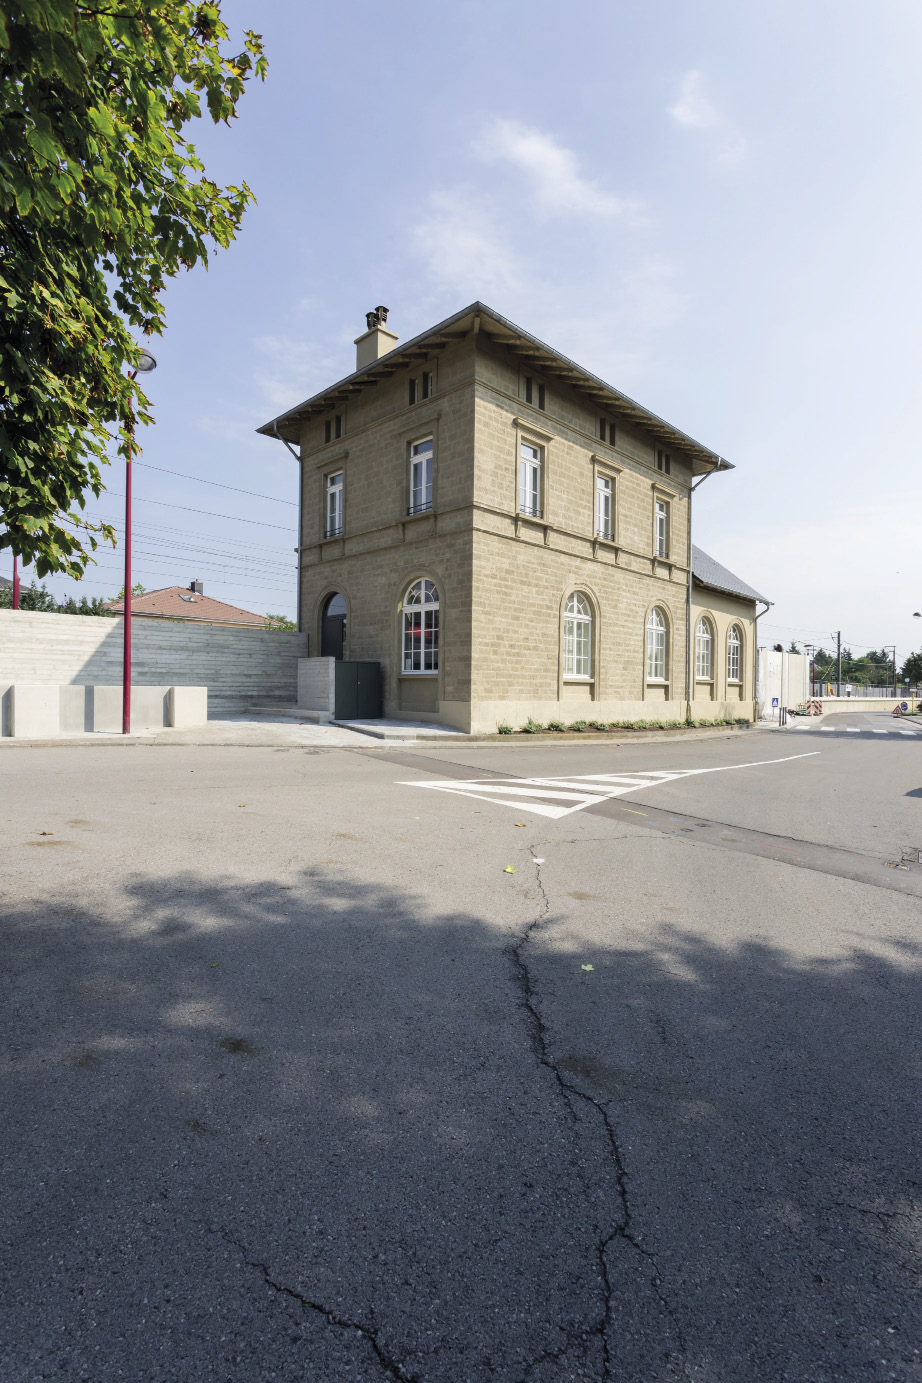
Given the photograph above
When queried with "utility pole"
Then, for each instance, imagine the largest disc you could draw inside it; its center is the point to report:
(838, 662)
(810, 650)
(15, 582)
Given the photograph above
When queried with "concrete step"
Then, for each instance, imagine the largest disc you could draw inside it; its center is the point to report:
(282, 711)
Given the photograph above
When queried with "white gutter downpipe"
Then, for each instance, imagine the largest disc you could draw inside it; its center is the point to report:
(297, 457)
(689, 649)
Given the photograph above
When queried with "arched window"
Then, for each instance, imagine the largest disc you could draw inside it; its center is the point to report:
(421, 627)
(703, 648)
(577, 636)
(656, 645)
(333, 628)
(734, 646)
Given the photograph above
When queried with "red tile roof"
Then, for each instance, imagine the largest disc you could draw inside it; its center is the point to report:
(178, 602)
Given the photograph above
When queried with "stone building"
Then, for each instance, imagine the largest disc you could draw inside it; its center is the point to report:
(507, 535)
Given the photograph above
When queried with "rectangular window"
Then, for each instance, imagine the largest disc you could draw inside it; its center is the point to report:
(414, 390)
(606, 431)
(338, 425)
(534, 392)
(603, 499)
(530, 481)
(427, 385)
(664, 462)
(420, 477)
(328, 430)
(334, 508)
(661, 529)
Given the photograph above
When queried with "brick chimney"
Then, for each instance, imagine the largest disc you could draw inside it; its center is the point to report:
(196, 587)
(376, 341)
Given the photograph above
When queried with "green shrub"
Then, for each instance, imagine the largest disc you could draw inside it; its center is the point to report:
(557, 725)
(504, 729)
(532, 727)
(578, 725)
(598, 725)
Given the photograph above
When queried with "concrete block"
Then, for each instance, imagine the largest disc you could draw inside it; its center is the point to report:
(76, 708)
(35, 711)
(149, 708)
(317, 684)
(187, 706)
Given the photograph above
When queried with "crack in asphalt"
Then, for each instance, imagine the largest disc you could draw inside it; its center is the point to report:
(622, 1228)
(392, 1367)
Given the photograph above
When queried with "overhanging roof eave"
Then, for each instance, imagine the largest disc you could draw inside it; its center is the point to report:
(704, 460)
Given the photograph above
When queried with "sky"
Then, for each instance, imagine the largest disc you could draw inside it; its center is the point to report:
(714, 206)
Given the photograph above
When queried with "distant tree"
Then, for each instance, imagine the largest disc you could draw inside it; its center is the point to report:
(96, 606)
(793, 648)
(103, 199)
(281, 622)
(912, 668)
(137, 589)
(30, 598)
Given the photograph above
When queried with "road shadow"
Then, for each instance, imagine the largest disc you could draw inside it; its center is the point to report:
(317, 1132)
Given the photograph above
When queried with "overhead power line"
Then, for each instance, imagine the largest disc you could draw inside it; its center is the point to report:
(221, 486)
(138, 499)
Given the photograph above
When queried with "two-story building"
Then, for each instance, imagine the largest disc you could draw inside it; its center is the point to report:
(509, 536)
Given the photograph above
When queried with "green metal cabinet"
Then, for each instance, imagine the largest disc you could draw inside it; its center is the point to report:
(358, 691)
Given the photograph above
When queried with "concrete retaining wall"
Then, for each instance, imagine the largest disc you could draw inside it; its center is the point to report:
(317, 684)
(40, 710)
(238, 666)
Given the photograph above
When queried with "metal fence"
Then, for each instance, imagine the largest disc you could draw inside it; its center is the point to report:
(855, 689)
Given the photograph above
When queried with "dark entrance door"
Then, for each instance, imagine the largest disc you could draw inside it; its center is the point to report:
(333, 628)
(358, 691)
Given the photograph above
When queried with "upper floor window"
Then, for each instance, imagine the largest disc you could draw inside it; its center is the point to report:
(606, 431)
(661, 528)
(421, 627)
(734, 647)
(603, 506)
(664, 462)
(530, 480)
(421, 388)
(333, 428)
(420, 477)
(334, 505)
(656, 645)
(534, 392)
(704, 641)
(577, 636)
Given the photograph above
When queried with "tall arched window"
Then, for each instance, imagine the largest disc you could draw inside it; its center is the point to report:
(421, 627)
(703, 650)
(577, 636)
(656, 645)
(734, 647)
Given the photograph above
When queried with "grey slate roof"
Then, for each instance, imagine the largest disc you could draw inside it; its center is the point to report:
(707, 572)
(5, 581)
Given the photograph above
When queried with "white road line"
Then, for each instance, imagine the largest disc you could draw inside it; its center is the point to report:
(875, 731)
(582, 790)
(853, 729)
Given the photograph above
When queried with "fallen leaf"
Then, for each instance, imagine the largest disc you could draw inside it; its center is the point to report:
(520, 823)
(241, 804)
(214, 963)
(509, 870)
(587, 967)
(46, 833)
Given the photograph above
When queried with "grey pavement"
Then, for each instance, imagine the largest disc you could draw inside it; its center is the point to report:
(302, 1083)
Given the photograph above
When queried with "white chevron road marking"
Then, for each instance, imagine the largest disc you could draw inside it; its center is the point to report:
(557, 797)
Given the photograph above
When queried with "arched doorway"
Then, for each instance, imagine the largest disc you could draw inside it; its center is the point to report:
(333, 628)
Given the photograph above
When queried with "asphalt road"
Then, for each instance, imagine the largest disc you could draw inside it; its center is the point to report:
(300, 1083)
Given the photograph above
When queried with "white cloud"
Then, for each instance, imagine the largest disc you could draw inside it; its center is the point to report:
(692, 107)
(552, 169)
(464, 249)
(694, 110)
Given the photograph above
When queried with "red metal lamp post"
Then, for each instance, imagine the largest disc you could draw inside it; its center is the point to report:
(15, 582)
(146, 363)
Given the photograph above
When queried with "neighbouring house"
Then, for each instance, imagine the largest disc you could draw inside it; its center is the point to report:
(510, 536)
(5, 581)
(186, 603)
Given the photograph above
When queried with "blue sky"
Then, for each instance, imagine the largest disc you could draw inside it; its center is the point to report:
(715, 206)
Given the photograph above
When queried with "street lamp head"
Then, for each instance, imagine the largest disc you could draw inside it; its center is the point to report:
(146, 363)
(917, 614)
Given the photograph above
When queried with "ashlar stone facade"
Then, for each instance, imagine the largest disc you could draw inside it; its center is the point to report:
(501, 527)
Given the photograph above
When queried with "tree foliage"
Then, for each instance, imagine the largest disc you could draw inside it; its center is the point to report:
(912, 669)
(102, 199)
(281, 622)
